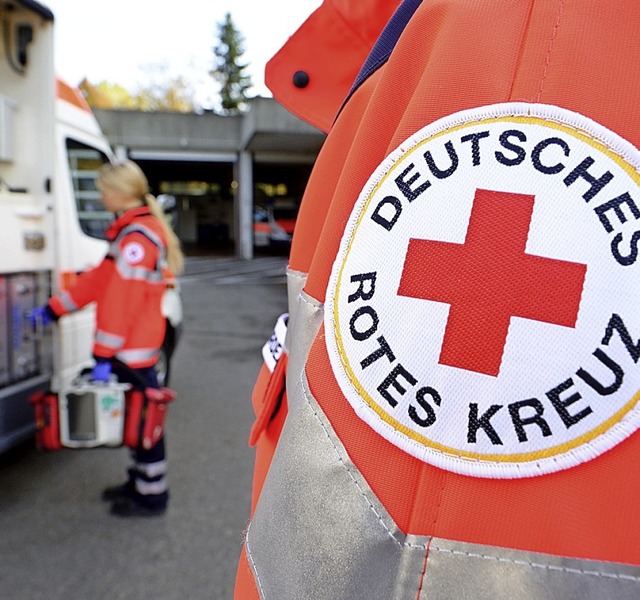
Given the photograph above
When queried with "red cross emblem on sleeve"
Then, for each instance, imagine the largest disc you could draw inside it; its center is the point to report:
(490, 279)
(481, 313)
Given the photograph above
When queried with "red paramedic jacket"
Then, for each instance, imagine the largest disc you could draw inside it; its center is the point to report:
(329, 47)
(127, 287)
(456, 58)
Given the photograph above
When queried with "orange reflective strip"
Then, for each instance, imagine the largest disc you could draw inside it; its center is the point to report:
(71, 95)
(67, 279)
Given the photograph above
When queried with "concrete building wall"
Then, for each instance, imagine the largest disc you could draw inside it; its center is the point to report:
(226, 149)
(171, 131)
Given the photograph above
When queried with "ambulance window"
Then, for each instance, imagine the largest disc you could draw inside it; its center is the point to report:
(84, 162)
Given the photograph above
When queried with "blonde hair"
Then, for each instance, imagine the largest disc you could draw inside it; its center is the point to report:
(127, 177)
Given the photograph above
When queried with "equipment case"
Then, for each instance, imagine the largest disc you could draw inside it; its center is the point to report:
(92, 414)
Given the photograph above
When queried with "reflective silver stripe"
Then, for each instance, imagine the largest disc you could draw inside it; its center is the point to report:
(137, 355)
(339, 524)
(295, 284)
(110, 340)
(67, 302)
(128, 271)
(138, 228)
(147, 488)
(152, 469)
(456, 570)
(139, 273)
(345, 546)
(301, 332)
(348, 547)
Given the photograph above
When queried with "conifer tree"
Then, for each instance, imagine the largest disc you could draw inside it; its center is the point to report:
(229, 70)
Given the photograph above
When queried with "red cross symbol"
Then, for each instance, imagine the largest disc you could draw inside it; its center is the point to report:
(489, 279)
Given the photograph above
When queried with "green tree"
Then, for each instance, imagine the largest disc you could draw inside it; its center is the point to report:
(228, 70)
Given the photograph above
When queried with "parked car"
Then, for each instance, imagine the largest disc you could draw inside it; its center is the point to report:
(273, 224)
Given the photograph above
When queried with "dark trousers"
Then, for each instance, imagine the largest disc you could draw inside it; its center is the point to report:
(147, 475)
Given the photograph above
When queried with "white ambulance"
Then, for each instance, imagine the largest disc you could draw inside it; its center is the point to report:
(52, 223)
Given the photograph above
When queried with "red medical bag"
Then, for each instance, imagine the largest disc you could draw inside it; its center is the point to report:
(145, 412)
(45, 406)
(84, 424)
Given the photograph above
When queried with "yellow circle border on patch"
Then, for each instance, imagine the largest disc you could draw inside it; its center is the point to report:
(605, 435)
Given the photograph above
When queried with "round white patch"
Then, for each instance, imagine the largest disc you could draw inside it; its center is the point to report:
(133, 253)
(482, 312)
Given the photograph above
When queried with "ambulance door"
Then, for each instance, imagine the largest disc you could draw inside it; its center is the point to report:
(81, 225)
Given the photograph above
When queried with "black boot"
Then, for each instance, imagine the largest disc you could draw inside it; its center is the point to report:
(124, 490)
(130, 507)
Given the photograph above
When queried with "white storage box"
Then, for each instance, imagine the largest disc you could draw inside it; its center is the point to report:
(92, 413)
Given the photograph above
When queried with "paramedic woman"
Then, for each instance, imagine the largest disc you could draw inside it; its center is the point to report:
(127, 288)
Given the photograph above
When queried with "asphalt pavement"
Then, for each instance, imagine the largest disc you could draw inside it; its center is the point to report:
(57, 538)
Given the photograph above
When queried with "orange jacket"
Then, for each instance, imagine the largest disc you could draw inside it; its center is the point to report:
(509, 128)
(311, 75)
(330, 48)
(127, 287)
